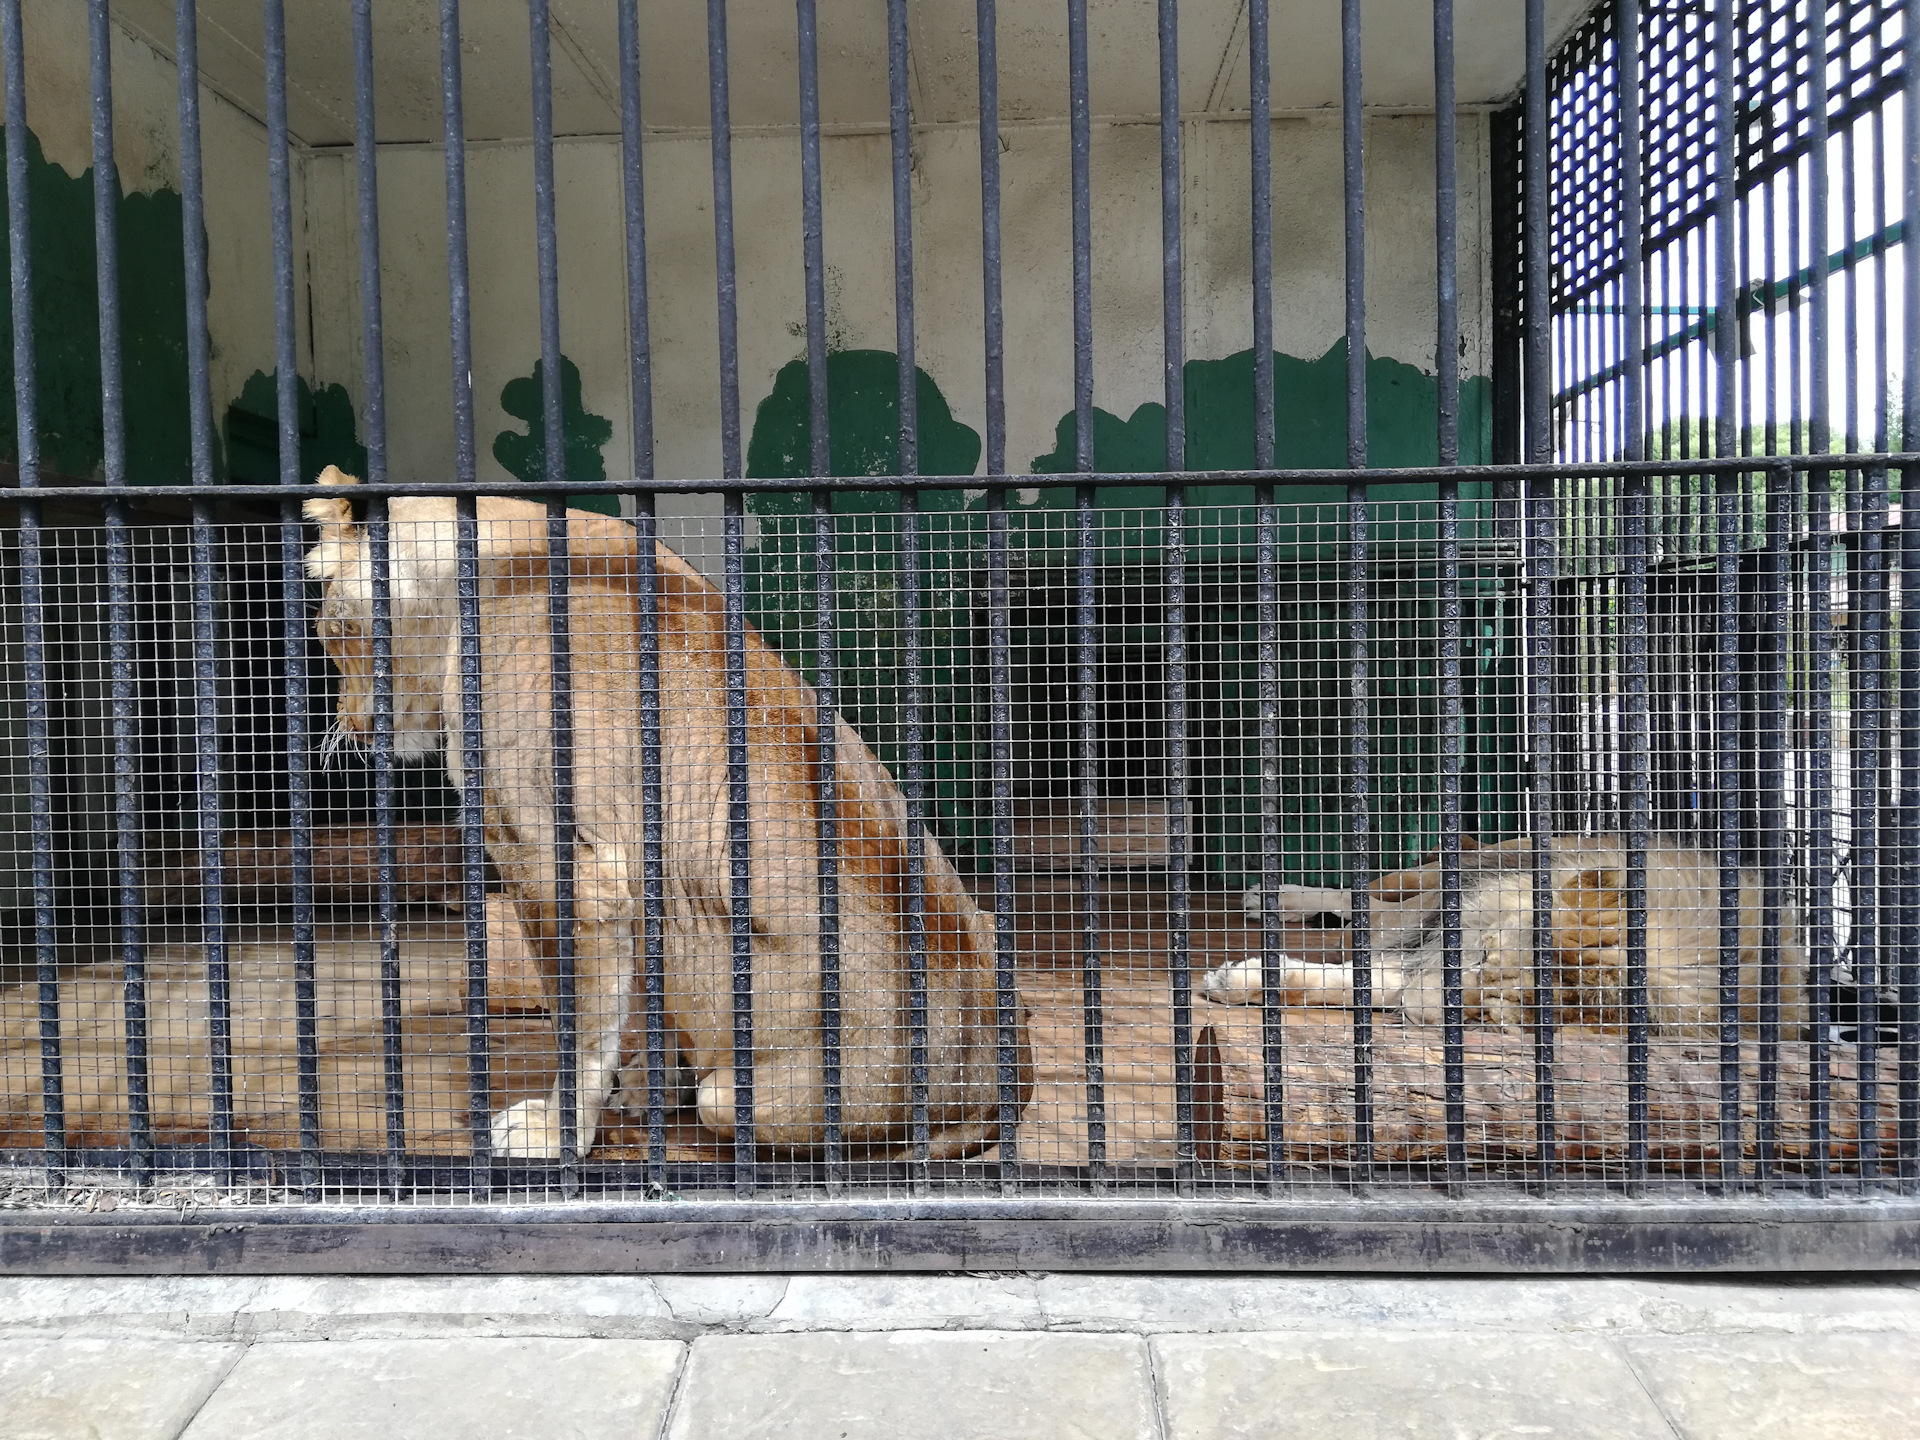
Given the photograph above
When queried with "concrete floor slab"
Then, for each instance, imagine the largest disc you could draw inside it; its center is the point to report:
(425, 1389)
(293, 1307)
(916, 1385)
(1801, 1387)
(1408, 1387)
(57, 1389)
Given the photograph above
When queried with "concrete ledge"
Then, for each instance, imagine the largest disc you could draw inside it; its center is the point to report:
(347, 1308)
(1744, 1235)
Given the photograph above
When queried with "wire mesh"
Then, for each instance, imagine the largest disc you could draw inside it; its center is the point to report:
(1476, 828)
(867, 1071)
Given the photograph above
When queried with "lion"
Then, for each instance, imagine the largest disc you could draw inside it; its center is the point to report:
(783, 756)
(1589, 938)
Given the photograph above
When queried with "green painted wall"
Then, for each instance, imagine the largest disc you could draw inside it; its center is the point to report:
(329, 432)
(583, 434)
(1224, 699)
(863, 422)
(153, 323)
(1310, 429)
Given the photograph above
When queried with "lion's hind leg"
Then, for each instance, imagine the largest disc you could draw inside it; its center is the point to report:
(604, 964)
(1306, 983)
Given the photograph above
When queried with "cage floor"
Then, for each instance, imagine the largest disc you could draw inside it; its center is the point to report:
(1496, 1125)
(1137, 1014)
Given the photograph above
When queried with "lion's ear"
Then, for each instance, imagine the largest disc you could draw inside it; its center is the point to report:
(331, 512)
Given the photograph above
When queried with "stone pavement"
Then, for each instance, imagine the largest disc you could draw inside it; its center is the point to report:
(953, 1357)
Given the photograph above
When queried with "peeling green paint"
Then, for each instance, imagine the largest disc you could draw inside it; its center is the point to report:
(1224, 680)
(66, 305)
(1310, 419)
(863, 424)
(328, 431)
(583, 433)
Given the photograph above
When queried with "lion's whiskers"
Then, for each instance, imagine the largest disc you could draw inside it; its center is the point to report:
(337, 740)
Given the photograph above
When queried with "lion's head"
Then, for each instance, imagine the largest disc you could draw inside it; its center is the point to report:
(422, 619)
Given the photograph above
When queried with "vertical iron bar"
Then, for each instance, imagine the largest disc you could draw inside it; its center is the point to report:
(915, 788)
(293, 602)
(1088, 622)
(900, 131)
(121, 643)
(1446, 355)
(1006, 1004)
(826, 677)
(1081, 144)
(559, 608)
(992, 318)
(1869, 867)
(899, 120)
(473, 831)
(1908, 978)
(1772, 807)
(206, 673)
(1822, 653)
(1272, 1029)
(1179, 837)
(812, 242)
(739, 840)
(1267, 637)
(1634, 546)
(1539, 570)
(1359, 686)
(739, 846)
(827, 790)
(1087, 742)
(378, 541)
(719, 108)
(633, 194)
(1726, 350)
(1260, 134)
(1172, 286)
(653, 892)
(1000, 721)
(32, 603)
(653, 878)
(1179, 813)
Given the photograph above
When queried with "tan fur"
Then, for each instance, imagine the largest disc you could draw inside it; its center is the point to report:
(784, 765)
(1589, 939)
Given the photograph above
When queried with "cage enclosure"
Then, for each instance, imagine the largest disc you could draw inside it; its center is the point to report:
(1268, 612)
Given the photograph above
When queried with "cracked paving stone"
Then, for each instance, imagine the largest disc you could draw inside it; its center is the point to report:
(424, 1389)
(915, 1385)
(1408, 1387)
(56, 1389)
(1796, 1387)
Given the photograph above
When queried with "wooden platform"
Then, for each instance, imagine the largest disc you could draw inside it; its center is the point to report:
(1135, 1038)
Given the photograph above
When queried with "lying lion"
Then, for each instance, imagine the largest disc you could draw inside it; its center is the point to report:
(783, 765)
(1589, 937)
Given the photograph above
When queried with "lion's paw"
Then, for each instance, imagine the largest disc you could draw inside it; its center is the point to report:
(527, 1131)
(1238, 981)
(1235, 983)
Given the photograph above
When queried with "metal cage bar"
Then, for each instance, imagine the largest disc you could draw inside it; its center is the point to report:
(1665, 627)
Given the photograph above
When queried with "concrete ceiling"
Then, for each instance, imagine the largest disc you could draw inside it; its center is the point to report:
(1398, 58)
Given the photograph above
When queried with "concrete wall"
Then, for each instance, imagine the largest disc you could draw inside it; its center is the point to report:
(147, 153)
(1308, 270)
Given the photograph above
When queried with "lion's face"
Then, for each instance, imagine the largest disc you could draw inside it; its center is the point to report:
(347, 637)
(421, 627)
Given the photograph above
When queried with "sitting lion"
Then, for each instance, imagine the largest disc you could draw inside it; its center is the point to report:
(782, 758)
(1589, 937)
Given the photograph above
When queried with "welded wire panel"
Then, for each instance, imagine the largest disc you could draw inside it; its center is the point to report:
(1467, 830)
(848, 1044)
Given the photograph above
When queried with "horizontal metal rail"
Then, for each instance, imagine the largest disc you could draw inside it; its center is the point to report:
(1091, 1235)
(711, 485)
